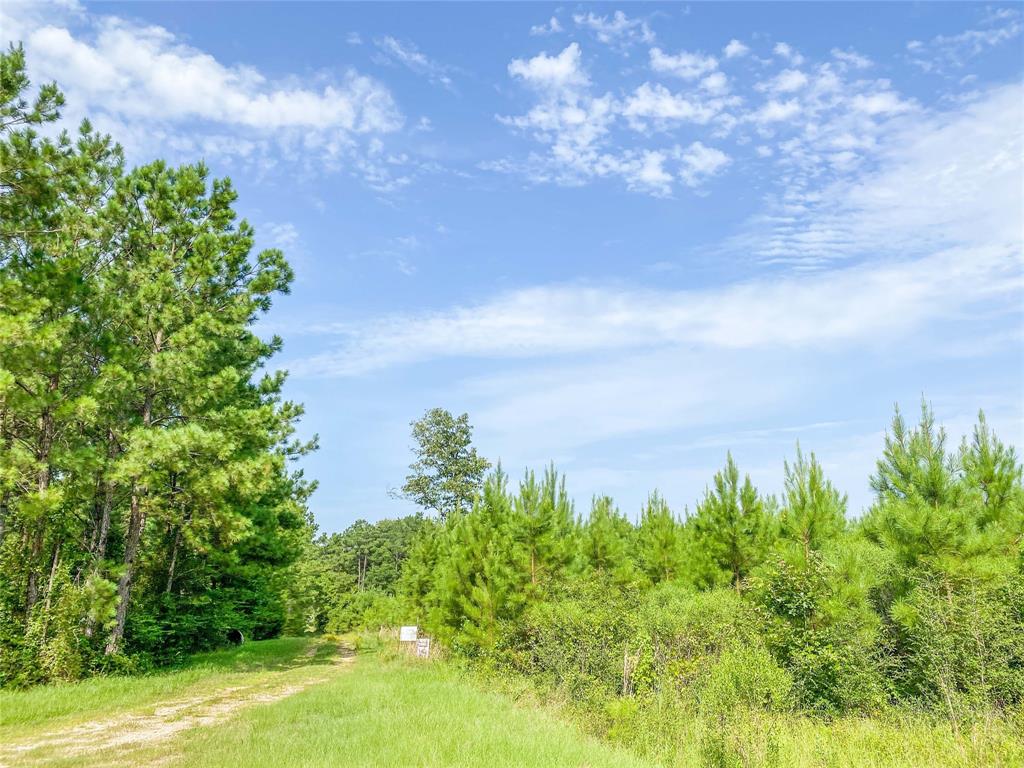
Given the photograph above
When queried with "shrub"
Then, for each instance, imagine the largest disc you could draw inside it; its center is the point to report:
(824, 636)
(576, 642)
(684, 632)
(745, 677)
(962, 644)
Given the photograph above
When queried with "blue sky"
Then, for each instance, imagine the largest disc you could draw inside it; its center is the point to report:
(626, 238)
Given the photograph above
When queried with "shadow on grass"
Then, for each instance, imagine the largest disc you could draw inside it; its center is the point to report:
(268, 655)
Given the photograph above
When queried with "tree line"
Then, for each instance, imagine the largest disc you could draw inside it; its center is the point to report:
(748, 600)
(147, 502)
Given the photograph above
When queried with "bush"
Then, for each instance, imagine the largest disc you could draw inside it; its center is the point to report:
(826, 638)
(962, 644)
(684, 632)
(576, 642)
(364, 610)
(745, 677)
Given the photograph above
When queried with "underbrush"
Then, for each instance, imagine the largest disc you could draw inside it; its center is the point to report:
(688, 678)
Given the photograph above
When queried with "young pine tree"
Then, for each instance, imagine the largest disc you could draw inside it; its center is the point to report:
(542, 527)
(813, 511)
(659, 541)
(920, 513)
(733, 525)
(606, 543)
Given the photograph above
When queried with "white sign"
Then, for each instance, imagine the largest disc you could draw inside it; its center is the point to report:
(407, 635)
(423, 648)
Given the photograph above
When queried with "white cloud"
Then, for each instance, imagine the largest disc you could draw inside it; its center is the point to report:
(999, 26)
(145, 72)
(948, 180)
(618, 29)
(917, 259)
(657, 103)
(819, 121)
(158, 94)
(735, 49)
(553, 73)
(409, 56)
(685, 65)
(715, 83)
(700, 162)
(879, 103)
(853, 305)
(786, 51)
(577, 127)
(851, 58)
(283, 235)
(787, 81)
(552, 27)
(651, 174)
(775, 111)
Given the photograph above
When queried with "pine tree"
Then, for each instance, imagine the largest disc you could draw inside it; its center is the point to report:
(813, 511)
(919, 513)
(606, 546)
(992, 471)
(482, 581)
(139, 442)
(659, 541)
(733, 524)
(542, 525)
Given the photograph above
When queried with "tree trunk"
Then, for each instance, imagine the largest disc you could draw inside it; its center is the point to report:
(133, 536)
(5, 497)
(99, 548)
(42, 485)
(55, 561)
(174, 558)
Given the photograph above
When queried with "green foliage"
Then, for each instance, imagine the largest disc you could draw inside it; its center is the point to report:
(742, 609)
(962, 645)
(606, 545)
(660, 542)
(733, 526)
(576, 641)
(684, 632)
(745, 677)
(340, 580)
(146, 499)
(447, 472)
(824, 636)
(813, 511)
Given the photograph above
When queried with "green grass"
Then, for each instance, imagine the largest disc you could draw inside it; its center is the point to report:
(390, 713)
(673, 736)
(381, 711)
(21, 712)
(370, 712)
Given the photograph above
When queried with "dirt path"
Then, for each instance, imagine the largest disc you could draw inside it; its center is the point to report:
(168, 718)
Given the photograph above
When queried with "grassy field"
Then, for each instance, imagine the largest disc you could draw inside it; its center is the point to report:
(302, 702)
(285, 703)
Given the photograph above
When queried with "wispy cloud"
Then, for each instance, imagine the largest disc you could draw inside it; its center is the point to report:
(853, 305)
(952, 250)
(944, 52)
(617, 30)
(942, 181)
(409, 56)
